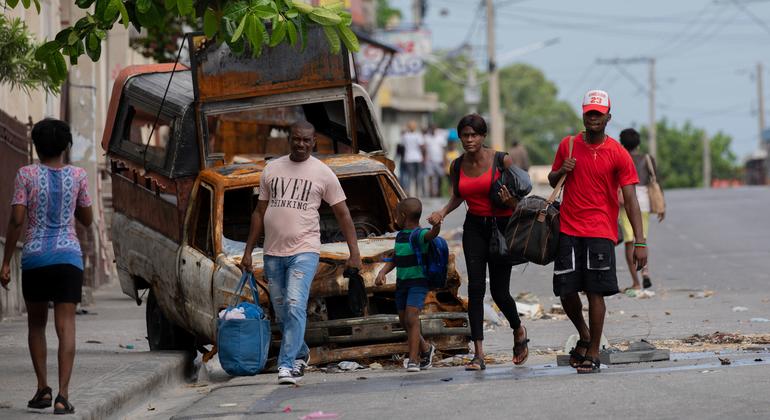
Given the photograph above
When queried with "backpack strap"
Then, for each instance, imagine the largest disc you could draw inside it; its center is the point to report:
(454, 173)
(498, 164)
(414, 238)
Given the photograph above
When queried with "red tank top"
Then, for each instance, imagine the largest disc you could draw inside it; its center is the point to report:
(475, 192)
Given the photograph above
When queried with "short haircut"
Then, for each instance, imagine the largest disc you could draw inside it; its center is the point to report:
(474, 121)
(51, 137)
(303, 125)
(629, 138)
(412, 207)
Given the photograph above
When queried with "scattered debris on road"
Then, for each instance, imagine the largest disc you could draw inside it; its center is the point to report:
(702, 295)
(724, 361)
(740, 309)
(319, 415)
(759, 320)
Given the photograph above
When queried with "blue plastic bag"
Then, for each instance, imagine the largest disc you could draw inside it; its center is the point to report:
(244, 343)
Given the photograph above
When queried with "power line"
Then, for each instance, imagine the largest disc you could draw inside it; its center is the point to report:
(751, 14)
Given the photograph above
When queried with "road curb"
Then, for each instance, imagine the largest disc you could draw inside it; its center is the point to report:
(128, 385)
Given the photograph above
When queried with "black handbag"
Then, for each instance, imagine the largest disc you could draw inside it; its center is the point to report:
(515, 179)
(498, 248)
(533, 229)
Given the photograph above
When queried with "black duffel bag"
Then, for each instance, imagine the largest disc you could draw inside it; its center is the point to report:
(532, 233)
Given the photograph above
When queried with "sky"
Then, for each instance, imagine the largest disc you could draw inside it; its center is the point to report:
(706, 54)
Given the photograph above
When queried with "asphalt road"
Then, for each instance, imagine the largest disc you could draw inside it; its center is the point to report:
(714, 240)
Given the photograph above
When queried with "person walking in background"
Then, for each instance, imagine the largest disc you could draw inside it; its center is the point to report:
(596, 166)
(630, 139)
(292, 245)
(451, 152)
(414, 157)
(435, 151)
(50, 196)
(519, 155)
(471, 181)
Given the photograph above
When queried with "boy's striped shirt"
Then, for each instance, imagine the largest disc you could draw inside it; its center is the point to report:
(408, 272)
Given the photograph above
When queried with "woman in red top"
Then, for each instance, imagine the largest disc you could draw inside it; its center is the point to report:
(476, 173)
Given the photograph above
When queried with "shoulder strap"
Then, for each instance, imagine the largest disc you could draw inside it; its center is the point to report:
(414, 237)
(455, 173)
(651, 168)
(560, 184)
(498, 164)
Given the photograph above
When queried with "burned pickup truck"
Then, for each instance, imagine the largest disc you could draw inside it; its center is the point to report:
(186, 149)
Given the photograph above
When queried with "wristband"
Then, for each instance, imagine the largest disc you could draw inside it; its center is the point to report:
(638, 245)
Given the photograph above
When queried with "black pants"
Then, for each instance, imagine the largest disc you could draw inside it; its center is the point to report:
(476, 234)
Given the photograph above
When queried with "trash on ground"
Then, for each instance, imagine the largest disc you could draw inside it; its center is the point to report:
(150, 407)
(530, 310)
(348, 365)
(126, 346)
(229, 405)
(759, 320)
(668, 312)
(446, 379)
(93, 342)
(5, 404)
(527, 297)
(758, 360)
(727, 338)
(362, 378)
(740, 309)
(702, 295)
(640, 294)
(287, 409)
(319, 415)
(375, 366)
(557, 309)
(724, 361)
(491, 315)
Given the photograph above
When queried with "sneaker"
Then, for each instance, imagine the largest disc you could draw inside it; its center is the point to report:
(427, 357)
(412, 366)
(285, 376)
(298, 370)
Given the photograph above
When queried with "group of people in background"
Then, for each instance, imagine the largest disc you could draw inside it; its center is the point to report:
(424, 157)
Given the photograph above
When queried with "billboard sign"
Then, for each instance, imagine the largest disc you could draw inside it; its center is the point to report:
(413, 45)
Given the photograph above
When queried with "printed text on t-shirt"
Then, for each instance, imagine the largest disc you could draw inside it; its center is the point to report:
(290, 193)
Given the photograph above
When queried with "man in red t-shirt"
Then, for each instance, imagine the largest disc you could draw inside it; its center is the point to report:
(589, 229)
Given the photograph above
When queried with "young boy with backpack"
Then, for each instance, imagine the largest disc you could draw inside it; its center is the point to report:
(411, 279)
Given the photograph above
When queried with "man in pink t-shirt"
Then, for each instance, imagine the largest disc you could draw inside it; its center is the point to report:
(290, 192)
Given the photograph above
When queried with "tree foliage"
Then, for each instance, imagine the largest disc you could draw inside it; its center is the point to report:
(18, 67)
(534, 116)
(240, 23)
(680, 155)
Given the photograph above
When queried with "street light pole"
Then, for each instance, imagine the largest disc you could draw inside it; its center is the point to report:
(495, 118)
(653, 124)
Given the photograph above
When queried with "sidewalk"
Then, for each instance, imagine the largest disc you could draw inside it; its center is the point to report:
(114, 369)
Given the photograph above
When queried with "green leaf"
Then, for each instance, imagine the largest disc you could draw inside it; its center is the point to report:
(185, 7)
(84, 4)
(63, 35)
(335, 7)
(292, 13)
(12, 3)
(254, 35)
(26, 3)
(263, 12)
(303, 31)
(101, 8)
(93, 47)
(234, 11)
(302, 6)
(291, 30)
(347, 18)
(210, 23)
(142, 6)
(112, 9)
(100, 33)
(324, 17)
(239, 31)
(44, 51)
(152, 18)
(333, 38)
(73, 38)
(123, 12)
(348, 38)
(37, 5)
(289, 3)
(279, 33)
(169, 4)
(56, 67)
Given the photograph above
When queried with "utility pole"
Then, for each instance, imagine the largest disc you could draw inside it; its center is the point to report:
(653, 129)
(653, 125)
(706, 161)
(761, 101)
(495, 116)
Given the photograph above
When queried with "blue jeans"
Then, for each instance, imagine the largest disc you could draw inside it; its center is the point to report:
(288, 280)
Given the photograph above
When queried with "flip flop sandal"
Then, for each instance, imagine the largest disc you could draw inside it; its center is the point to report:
(646, 282)
(476, 363)
(38, 401)
(68, 408)
(594, 367)
(576, 358)
(520, 347)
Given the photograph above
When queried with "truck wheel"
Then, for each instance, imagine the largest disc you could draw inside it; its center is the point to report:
(162, 334)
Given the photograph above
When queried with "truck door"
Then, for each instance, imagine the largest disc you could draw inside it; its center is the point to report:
(196, 263)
